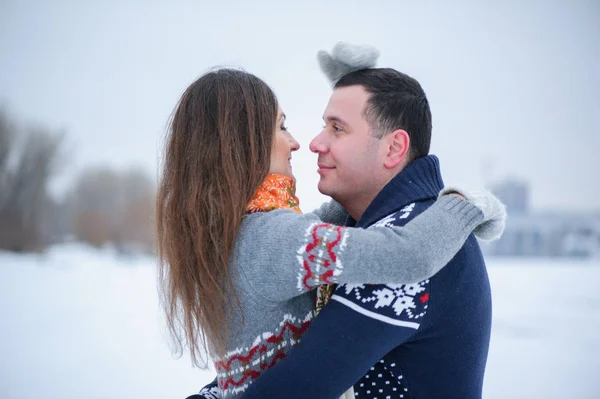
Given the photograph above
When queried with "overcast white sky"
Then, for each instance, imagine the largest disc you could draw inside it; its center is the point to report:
(514, 85)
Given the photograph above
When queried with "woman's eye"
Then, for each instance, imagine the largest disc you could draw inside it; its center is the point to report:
(283, 127)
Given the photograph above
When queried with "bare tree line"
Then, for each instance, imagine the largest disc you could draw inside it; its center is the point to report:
(103, 207)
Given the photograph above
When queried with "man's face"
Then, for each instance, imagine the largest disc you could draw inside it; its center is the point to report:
(350, 158)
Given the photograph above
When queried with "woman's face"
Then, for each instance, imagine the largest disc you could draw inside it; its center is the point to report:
(283, 145)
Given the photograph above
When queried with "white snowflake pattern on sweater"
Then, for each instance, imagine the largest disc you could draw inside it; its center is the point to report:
(397, 304)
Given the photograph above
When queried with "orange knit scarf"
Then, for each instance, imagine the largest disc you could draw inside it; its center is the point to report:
(276, 192)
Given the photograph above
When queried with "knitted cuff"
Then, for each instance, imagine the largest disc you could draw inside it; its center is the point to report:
(494, 212)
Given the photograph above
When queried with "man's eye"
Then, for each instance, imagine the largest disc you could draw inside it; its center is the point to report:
(335, 128)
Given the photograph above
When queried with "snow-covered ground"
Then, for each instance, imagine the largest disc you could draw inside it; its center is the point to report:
(77, 323)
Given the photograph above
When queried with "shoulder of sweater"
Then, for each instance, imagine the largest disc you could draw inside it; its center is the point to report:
(266, 251)
(261, 233)
(282, 217)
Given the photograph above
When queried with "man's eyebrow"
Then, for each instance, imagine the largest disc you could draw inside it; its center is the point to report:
(334, 119)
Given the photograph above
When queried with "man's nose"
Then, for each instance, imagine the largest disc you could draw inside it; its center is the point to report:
(317, 145)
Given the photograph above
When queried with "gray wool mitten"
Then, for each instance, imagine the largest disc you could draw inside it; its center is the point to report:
(346, 58)
(494, 212)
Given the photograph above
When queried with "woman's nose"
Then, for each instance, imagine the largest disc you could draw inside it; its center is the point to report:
(294, 145)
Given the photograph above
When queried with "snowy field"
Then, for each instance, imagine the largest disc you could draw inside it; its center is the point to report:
(77, 323)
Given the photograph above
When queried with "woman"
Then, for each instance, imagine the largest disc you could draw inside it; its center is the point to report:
(239, 264)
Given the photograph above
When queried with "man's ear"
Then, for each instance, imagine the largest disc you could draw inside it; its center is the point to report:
(398, 145)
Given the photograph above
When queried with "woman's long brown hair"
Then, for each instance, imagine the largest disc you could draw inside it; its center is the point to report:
(217, 154)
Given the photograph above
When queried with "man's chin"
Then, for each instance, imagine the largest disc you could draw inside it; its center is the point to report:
(323, 189)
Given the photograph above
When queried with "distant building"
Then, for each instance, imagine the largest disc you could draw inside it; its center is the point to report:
(551, 234)
(515, 194)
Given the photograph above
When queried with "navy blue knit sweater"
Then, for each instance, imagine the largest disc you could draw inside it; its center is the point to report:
(425, 340)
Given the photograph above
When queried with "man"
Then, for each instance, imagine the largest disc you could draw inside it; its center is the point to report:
(427, 340)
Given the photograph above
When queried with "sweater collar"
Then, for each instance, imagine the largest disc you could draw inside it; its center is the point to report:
(421, 180)
(275, 192)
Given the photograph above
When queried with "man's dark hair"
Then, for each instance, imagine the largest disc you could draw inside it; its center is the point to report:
(397, 102)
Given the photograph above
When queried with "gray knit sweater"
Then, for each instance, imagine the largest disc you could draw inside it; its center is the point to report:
(280, 257)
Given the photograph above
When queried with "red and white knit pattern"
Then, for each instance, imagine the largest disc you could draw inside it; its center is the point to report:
(319, 256)
(239, 367)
